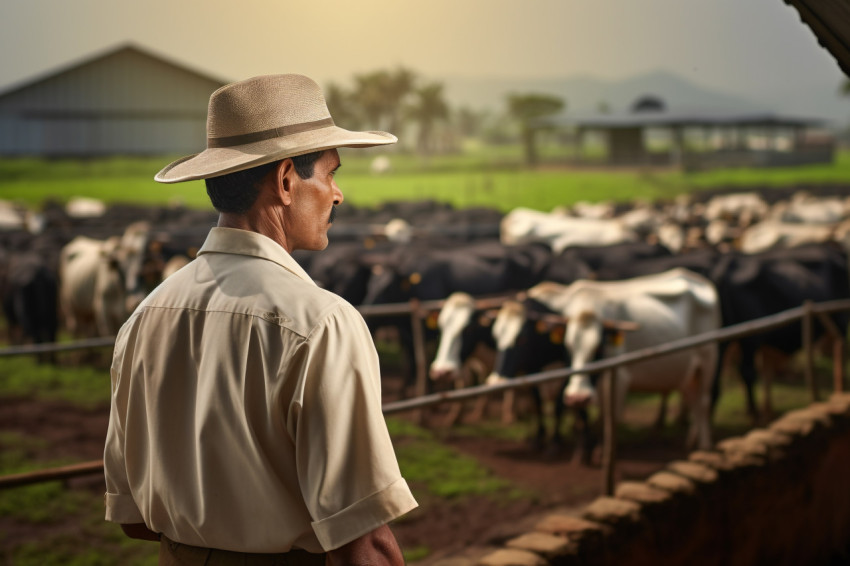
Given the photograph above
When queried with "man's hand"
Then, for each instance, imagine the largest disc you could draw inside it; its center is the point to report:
(378, 548)
(139, 531)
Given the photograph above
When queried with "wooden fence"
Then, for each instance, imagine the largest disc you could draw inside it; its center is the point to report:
(608, 366)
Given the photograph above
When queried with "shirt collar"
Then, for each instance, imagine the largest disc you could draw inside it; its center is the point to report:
(244, 242)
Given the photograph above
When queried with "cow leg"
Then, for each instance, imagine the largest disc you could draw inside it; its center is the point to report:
(748, 376)
(539, 440)
(660, 419)
(696, 395)
(768, 370)
(557, 439)
(585, 438)
(476, 373)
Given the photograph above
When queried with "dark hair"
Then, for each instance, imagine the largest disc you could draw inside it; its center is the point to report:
(236, 192)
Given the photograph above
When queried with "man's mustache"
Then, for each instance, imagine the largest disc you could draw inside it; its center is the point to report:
(333, 215)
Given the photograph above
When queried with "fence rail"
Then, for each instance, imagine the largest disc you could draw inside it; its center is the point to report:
(415, 309)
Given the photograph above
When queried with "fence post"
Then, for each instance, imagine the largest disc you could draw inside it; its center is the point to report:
(418, 356)
(808, 350)
(609, 440)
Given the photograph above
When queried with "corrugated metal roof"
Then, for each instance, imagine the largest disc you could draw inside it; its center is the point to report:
(92, 59)
(830, 22)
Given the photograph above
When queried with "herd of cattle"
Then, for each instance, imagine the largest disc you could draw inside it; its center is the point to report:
(579, 283)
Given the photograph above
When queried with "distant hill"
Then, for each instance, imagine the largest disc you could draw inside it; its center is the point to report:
(584, 93)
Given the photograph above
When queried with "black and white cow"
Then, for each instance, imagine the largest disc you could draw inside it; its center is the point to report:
(529, 336)
(663, 307)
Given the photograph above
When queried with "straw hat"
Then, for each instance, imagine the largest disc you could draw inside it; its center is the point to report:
(264, 119)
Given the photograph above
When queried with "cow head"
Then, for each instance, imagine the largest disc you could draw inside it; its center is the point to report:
(528, 337)
(454, 318)
(587, 340)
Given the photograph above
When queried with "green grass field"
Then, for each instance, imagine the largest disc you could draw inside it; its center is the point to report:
(485, 176)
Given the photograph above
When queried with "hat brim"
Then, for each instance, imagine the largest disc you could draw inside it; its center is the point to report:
(214, 162)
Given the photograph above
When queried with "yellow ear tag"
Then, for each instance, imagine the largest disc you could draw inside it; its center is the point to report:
(557, 335)
(540, 327)
(415, 279)
(431, 320)
(617, 338)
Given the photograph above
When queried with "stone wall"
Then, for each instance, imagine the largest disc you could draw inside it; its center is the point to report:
(777, 496)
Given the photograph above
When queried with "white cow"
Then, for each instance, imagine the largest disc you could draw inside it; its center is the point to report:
(807, 209)
(96, 278)
(741, 208)
(774, 234)
(524, 225)
(666, 307)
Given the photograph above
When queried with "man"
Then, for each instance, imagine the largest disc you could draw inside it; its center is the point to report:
(246, 423)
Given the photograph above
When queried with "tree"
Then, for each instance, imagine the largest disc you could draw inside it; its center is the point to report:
(429, 107)
(381, 94)
(369, 95)
(343, 107)
(400, 84)
(527, 109)
(468, 121)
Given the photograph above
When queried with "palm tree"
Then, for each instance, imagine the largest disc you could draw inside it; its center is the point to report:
(527, 108)
(429, 107)
(381, 94)
(399, 85)
(369, 94)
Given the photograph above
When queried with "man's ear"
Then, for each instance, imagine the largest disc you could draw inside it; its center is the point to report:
(283, 180)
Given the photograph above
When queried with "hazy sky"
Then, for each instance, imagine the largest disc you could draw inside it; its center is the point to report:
(738, 46)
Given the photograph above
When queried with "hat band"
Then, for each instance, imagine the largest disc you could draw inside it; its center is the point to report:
(279, 132)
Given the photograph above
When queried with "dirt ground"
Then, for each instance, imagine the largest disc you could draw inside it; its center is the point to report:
(470, 527)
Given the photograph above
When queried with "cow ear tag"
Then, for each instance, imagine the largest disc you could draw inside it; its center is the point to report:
(431, 320)
(617, 338)
(540, 327)
(557, 335)
(415, 278)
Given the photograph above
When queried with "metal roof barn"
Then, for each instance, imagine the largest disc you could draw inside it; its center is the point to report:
(126, 101)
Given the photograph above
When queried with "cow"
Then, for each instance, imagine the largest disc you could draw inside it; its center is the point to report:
(585, 262)
(529, 336)
(463, 328)
(523, 225)
(742, 209)
(435, 272)
(29, 295)
(772, 234)
(665, 307)
(97, 277)
(758, 285)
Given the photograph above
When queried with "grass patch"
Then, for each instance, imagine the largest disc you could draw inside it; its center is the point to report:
(40, 503)
(23, 376)
(440, 470)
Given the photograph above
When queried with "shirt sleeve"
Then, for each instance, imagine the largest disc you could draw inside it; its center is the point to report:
(120, 505)
(347, 469)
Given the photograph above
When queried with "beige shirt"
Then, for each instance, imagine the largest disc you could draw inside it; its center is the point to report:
(246, 409)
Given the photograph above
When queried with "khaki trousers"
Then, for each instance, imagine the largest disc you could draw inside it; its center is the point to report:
(176, 554)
